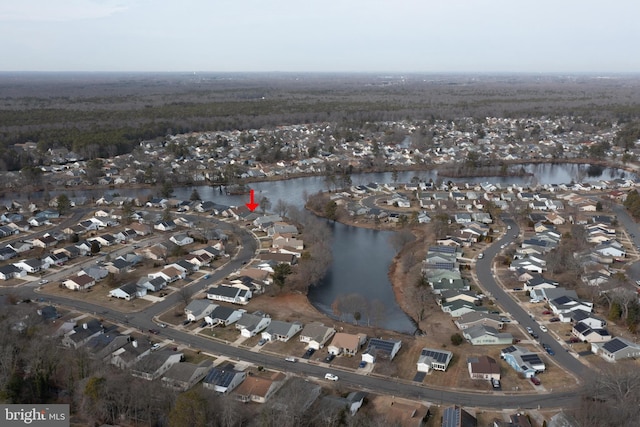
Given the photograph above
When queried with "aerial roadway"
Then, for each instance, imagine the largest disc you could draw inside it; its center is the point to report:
(486, 277)
(144, 320)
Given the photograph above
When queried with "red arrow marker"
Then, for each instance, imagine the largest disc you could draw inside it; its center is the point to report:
(252, 205)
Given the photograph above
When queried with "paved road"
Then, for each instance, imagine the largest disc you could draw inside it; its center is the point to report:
(144, 320)
(487, 279)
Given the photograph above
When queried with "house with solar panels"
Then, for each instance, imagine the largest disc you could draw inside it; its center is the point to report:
(381, 348)
(223, 379)
(432, 359)
(616, 349)
(523, 360)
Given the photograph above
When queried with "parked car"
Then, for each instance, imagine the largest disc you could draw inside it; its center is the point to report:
(329, 358)
(549, 350)
(535, 380)
(529, 330)
(307, 354)
(44, 281)
(155, 346)
(154, 331)
(291, 359)
(330, 377)
(546, 312)
(481, 255)
(262, 341)
(574, 339)
(206, 276)
(543, 328)
(362, 364)
(554, 319)
(496, 384)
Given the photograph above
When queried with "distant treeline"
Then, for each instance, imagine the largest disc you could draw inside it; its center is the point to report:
(106, 115)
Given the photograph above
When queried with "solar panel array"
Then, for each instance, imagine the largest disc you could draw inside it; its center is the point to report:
(386, 346)
(220, 377)
(532, 359)
(443, 249)
(614, 345)
(436, 355)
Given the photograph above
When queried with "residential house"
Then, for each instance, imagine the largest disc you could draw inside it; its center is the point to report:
(224, 316)
(566, 304)
(281, 331)
(128, 291)
(183, 376)
(96, 272)
(140, 229)
(479, 318)
(7, 253)
(483, 368)
(45, 241)
(10, 271)
(229, 294)
(455, 416)
(118, 266)
(522, 360)
(316, 335)
(432, 359)
(80, 282)
(198, 309)
(586, 333)
(20, 246)
(101, 346)
(539, 282)
(515, 420)
(379, 347)
(331, 406)
(181, 239)
(585, 317)
(401, 412)
(170, 274)
(223, 379)
(81, 334)
(459, 308)
(259, 387)
(156, 364)
(165, 225)
(252, 324)
(31, 265)
(486, 335)
(55, 259)
(152, 284)
(616, 349)
(346, 344)
(130, 353)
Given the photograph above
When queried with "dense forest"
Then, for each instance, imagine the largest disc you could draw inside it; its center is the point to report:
(102, 115)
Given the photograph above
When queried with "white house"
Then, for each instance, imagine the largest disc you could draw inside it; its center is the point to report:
(380, 347)
(432, 359)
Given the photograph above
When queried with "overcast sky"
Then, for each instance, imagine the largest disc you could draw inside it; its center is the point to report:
(320, 35)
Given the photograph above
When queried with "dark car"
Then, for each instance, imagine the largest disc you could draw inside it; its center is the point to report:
(554, 319)
(535, 336)
(535, 380)
(574, 339)
(546, 312)
(154, 331)
(362, 364)
(329, 358)
(307, 354)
